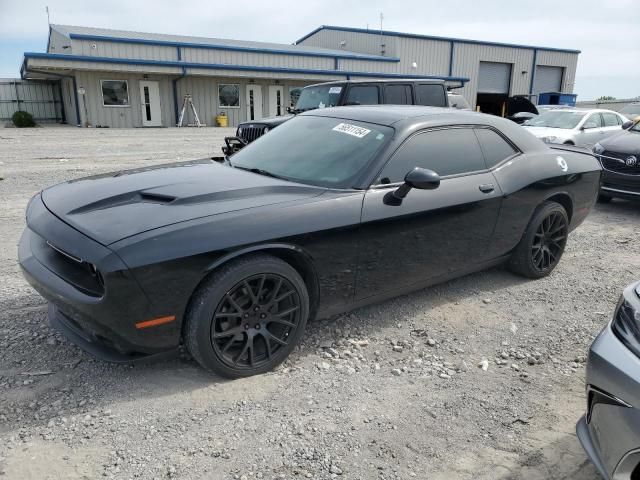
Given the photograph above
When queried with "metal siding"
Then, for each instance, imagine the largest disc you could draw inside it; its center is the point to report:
(57, 41)
(121, 117)
(198, 55)
(368, 43)
(561, 59)
(123, 50)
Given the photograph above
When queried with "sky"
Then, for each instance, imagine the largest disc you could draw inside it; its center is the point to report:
(606, 31)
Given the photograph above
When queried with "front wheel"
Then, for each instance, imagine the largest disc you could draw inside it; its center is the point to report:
(543, 242)
(247, 317)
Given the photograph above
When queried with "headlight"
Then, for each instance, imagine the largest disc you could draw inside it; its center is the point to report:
(549, 139)
(626, 325)
(597, 148)
(266, 129)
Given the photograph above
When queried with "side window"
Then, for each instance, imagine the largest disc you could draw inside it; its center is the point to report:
(430, 95)
(446, 152)
(594, 118)
(610, 119)
(398, 95)
(362, 95)
(494, 147)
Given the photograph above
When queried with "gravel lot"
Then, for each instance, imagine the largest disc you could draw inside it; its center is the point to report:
(391, 391)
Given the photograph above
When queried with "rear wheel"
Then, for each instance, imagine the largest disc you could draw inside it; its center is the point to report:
(247, 317)
(543, 242)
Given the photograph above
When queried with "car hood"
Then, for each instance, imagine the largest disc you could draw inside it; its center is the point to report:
(271, 122)
(114, 206)
(548, 132)
(623, 142)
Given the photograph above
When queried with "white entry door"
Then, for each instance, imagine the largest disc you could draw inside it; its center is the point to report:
(276, 101)
(254, 102)
(150, 98)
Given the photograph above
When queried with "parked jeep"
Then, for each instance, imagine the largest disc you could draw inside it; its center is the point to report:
(429, 92)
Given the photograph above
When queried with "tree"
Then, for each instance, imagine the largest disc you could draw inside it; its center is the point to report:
(605, 97)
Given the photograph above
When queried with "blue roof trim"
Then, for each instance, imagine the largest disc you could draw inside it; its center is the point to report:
(224, 66)
(432, 37)
(233, 48)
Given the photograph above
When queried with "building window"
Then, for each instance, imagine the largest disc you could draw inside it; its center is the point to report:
(115, 93)
(229, 95)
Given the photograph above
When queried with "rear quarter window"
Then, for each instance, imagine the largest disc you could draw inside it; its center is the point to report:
(494, 148)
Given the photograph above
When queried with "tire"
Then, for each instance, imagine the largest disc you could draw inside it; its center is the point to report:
(543, 242)
(253, 310)
(604, 198)
(569, 142)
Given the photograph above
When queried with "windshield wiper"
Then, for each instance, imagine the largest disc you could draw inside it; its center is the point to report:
(260, 171)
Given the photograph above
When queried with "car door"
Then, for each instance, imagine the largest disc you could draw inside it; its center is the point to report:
(432, 233)
(590, 130)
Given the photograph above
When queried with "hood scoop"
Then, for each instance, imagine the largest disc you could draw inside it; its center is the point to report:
(128, 198)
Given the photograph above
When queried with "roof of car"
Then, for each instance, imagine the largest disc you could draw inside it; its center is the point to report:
(383, 80)
(408, 118)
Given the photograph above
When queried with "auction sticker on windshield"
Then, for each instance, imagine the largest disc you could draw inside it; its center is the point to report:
(351, 130)
(334, 90)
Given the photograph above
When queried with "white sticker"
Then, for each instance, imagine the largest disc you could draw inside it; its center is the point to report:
(321, 105)
(351, 130)
(336, 90)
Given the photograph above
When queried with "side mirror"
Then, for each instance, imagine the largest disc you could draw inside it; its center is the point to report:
(420, 178)
(588, 126)
(627, 125)
(289, 110)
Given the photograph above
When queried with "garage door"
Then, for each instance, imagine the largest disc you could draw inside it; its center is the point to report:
(548, 79)
(494, 77)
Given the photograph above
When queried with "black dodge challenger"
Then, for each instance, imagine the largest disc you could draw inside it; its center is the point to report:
(335, 209)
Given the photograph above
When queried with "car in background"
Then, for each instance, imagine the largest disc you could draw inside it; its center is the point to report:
(631, 111)
(619, 156)
(335, 209)
(575, 127)
(428, 92)
(522, 117)
(609, 431)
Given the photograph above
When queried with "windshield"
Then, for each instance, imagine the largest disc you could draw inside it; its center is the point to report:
(556, 119)
(318, 97)
(321, 151)
(631, 110)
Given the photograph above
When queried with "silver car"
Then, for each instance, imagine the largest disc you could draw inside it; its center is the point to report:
(610, 429)
(583, 128)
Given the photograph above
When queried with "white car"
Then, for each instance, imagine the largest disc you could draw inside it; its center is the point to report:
(583, 128)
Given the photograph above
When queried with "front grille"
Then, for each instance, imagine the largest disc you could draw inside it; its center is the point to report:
(252, 133)
(617, 162)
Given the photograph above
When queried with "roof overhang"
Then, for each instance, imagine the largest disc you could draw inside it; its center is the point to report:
(55, 62)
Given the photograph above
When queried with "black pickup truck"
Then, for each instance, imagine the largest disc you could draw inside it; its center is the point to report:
(429, 92)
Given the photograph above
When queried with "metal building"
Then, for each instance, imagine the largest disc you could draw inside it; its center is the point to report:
(116, 78)
(495, 70)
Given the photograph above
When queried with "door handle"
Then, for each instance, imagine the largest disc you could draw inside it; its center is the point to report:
(487, 187)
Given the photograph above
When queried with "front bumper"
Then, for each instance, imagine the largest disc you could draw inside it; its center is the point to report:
(623, 185)
(610, 430)
(101, 321)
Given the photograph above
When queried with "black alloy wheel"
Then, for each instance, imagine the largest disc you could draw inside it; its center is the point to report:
(542, 243)
(549, 241)
(247, 316)
(254, 320)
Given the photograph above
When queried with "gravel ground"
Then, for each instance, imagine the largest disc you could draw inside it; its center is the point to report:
(391, 391)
